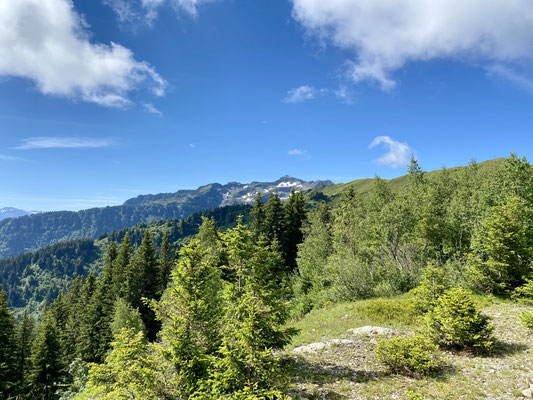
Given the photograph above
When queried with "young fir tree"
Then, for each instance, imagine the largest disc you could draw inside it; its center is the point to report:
(24, 339)
(126, 317)
(190, 315)
(166, 263)
(47, 369)
(88, 342)
(255, 310)
(8, 349)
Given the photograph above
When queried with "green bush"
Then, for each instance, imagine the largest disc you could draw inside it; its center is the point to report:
(527, 319)
(456, 323)
(524, 293)
(434, 284)
(411, 354)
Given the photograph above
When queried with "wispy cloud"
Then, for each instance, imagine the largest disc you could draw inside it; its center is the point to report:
(64, 143)
(301, 94)
(398, 154)
(4, 157)
(297, 152)
(512, 76)
(192, 145)
(344, 94)
(149, 108)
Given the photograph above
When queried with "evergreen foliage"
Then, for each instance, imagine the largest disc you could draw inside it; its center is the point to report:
(8, 349)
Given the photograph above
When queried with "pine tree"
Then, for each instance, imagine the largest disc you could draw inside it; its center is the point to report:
(8, 348)
(47, 359)
(166, 263)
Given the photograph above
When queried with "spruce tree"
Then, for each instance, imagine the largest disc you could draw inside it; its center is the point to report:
(47, 359)
(120, 266)
(258, 215)
(142, 282)
(24, 339)
(166, 262)
(190, 313)
(274, 218)
(8, 348)
(295, 217)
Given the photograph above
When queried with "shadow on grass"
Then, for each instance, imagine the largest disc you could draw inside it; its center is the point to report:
(504, 349)
(319, 374)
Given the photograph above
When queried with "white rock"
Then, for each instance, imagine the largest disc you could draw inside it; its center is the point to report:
(370, 330)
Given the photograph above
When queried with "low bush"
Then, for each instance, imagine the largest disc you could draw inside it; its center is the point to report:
(456, 323)
(524, 293)
(433, 285)
(527, 319)
(410, 354)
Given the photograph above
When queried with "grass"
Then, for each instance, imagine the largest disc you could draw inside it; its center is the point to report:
(352, 371)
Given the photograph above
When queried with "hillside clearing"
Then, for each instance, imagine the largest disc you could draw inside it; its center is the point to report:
(351, 371)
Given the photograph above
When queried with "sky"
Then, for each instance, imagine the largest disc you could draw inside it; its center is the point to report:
(102, 100)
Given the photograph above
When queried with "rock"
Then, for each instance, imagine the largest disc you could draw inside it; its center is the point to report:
(317, 346)
(339, 341)
(371, 330)
(527, 393)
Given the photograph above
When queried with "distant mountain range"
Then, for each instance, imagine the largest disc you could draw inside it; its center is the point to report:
(31, 232)
(11, 212)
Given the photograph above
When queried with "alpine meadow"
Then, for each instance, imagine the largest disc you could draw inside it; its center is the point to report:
(381, 265)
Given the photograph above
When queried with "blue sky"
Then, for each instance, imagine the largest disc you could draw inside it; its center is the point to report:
(102, 100)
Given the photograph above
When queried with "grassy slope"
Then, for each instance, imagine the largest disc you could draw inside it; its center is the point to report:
(334, 191)
(352, 372)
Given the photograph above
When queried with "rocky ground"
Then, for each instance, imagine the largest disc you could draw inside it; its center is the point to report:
(344, 367)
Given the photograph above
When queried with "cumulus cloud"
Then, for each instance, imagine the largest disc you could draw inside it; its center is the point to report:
(48, 42)
(297, 152)
(146, 11)
(300, 94)
(64, 143)
(398, 154)
(384, 35)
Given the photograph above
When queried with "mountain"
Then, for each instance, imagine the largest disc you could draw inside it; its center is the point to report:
(231, 193)
(11, 212)
(31, 232)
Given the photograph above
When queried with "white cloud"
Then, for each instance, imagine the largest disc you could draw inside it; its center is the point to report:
(64, 143)
(192, 145)
(146, 11)
(398, 155)
(301, 94)
(297, 152)
(386, 34)
(48, 42)
(344, 94)
(149, 108)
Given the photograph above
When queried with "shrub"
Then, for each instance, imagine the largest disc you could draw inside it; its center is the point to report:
(524, 293)
(434, 284)
(527, 319)
(456, 323)
(411, 354)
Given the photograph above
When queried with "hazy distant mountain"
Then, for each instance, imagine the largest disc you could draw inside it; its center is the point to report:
(11, 212)
(31, 232)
